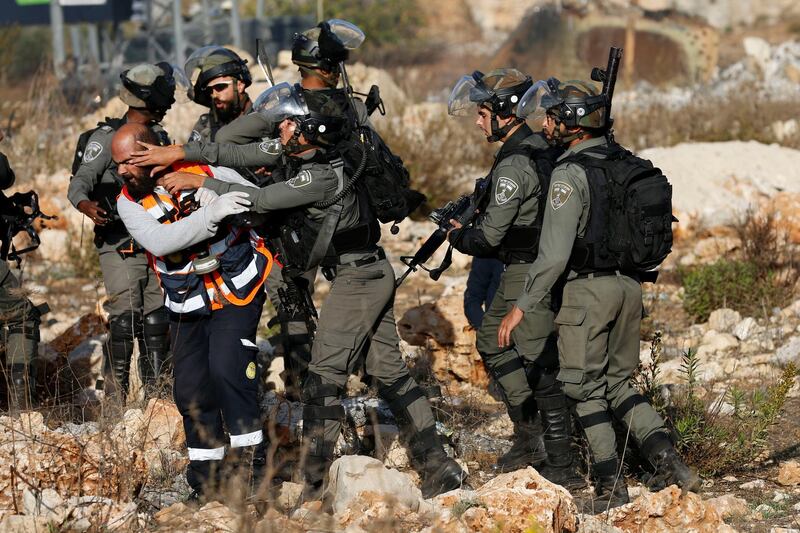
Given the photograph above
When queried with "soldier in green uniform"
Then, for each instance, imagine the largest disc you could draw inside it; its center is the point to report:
(219, 80)
(511, 203)
(135, 304)
(19, 318)
(340, 232)
(598, 323)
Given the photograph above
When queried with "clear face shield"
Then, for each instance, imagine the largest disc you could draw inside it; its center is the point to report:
(349, 35)
(183, 88)
(465, 97)
(537, 100)
(280, 102)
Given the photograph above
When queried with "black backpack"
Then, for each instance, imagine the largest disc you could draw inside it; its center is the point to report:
(630, 221)
(385, 180)
(83, 140)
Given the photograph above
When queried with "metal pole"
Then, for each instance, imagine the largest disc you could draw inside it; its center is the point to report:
(151, 50)
(260, 9)
(236, 24)
(93, 41)
(208, 31)
(320, 10)
(57, 27)
(75, 41)
(177, 24)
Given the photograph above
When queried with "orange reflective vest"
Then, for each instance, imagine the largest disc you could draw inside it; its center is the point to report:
(244, 260)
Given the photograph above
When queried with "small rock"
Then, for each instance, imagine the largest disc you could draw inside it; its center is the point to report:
(24, 524)
(289, 495)
(780, 497)
(744, 329)
(788, 352)
(763, 509)
(756, 484)
(729, 505)
(724, 320)
(784, 530)
(796, 506)
(730, 479)
(668, 510)
(715, 342)
(789, 474)
(46, 504)
(352, 475)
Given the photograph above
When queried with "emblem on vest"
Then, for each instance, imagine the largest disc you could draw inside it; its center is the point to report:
(505, 190)
(271, 147)
(302, 179)
(559, 194)
(93, 149)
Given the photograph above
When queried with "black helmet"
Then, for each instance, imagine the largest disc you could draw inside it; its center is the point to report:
(210, 62)
(327, 45)
(321, 120)
(150, 87)
(574, 103)
(500, 91)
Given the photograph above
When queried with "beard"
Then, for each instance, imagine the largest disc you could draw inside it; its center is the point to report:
(227, 112)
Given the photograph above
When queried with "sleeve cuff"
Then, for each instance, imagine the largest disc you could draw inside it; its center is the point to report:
(192, 151)
(218, 186)
(525, 303)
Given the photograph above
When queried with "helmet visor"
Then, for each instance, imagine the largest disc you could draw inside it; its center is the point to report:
(348, 33)
(536, 101)
(183, 89)
(465, 97)
(196, 62)
(280, 102)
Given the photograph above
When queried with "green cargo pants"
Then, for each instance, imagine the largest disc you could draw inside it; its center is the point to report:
(357, 317)
(598, 344)
(19, 320)
(534, 339)
(131, 285)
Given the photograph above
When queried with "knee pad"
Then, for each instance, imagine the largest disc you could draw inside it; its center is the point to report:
(317, 409)
(156, 322)
(400, 395)
(123, 328)
(546, 383)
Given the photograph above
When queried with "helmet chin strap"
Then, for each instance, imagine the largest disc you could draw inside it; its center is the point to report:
(498, 133)
(558, 139)
(294, 146)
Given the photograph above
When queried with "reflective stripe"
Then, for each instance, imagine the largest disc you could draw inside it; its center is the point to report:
(207, 454)
(248, 343)
(247, 275)
(191, 304)
(248, 439)
(156, 211)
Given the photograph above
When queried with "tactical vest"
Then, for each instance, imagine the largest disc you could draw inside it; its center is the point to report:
(244, 261)
(630, 213)
(521, 242)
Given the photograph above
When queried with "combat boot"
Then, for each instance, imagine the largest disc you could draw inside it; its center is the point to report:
(561, 466)
(669, 467)
(527, 448)
(440, 473)
(610, 490)
(322, 417)
(120, 349)
(154, 355)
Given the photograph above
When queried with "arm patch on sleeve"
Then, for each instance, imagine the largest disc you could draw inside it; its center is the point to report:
(559, 194)
(505, 190)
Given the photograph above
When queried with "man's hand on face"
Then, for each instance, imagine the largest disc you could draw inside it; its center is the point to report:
(159, 157)
(176, 182)
(287, 128)
(93, 210)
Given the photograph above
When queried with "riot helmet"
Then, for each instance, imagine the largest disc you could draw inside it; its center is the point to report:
(499, 91)
(574, 103)
(210, 62)
(325, 46)
(150, 87)
(318, 117)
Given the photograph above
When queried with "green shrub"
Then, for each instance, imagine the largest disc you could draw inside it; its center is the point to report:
(737, 284)
(711, 441)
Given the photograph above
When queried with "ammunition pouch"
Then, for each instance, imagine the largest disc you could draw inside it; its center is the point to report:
(520, 245)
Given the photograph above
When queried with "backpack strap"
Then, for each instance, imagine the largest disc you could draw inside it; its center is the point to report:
(331, 220)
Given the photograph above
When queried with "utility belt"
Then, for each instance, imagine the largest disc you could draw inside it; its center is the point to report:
(637, 276)
(329, 269)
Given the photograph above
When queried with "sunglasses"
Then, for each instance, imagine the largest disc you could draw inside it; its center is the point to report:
(218, 87)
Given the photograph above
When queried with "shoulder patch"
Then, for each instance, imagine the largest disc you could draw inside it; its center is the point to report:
(93, 149)
(559, 193)
(302, 179)
(271, 146)
(505, 190)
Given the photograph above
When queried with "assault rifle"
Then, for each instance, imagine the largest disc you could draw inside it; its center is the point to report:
(609, 79)
(20, 211)
(295, 297)
(463, 210)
